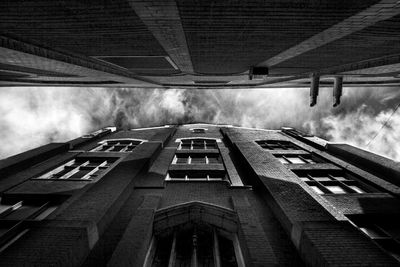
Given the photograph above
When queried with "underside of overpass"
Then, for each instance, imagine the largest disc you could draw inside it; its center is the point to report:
(200, 44)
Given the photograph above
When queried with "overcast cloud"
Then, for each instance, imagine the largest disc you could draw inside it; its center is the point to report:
(31, 117)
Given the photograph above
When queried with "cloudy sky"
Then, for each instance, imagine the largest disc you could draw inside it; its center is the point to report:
(31, 117)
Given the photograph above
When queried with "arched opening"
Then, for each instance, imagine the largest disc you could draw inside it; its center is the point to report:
(195, 234)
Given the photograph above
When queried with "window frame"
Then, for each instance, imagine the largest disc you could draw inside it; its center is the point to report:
(17, 227)
(189, 157)
(324, 178)
(107, 163)
(278, 145)
(193, 139)
(188, 176)
(305, 158)
(109, 150)
(199, 130)
(386, 240)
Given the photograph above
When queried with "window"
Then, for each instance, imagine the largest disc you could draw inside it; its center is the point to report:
(17, 215)
(196, 245)
(383, 231)
(191, 175)
(196, 159)
(198, 130)
(207, 165)
(197, 144)
(22, 210)
(277, 145)
(331, 182)
(79, 169)
(295, 159)
(100, 132)
(117, 145)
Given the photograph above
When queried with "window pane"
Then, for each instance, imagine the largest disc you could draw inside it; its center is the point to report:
(339, 178)
(357, 189)
(227, 252)
(197, 176)
(104, 148)
(62, 172)
(316, 189)
(22, 212)
(205, 244)
(185, 146)
(79, 174)
(124, 142)
(98, 172)
(295, 160)
(111, 143)
(129, 148)
(117, 148)
(282, 160)
(373, 231)
(213, 159)
(321, 179)
(211, 146)
(182, 160)
(163, 250)
(177, 175)
(310, 161)
(216, 176)
(184, 248)
(335, 189)
(198, 160)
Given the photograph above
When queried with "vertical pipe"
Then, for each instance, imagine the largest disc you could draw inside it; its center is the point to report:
(314, 88)
(337, 90)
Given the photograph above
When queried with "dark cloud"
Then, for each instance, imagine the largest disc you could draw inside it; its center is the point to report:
(35, 116)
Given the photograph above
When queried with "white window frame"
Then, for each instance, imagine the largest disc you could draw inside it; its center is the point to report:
(300, 157)
(87, 177)
(187, 179)
(217, 140)
(104, 142)
(189, 159)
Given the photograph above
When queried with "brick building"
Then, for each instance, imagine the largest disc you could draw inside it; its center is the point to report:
(199, 195)
(200, 44)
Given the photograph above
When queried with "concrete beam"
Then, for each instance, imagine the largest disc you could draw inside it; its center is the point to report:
(30, 55)
(383, 10)
(164, 22)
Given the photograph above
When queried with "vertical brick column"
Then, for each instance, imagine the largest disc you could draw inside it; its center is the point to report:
(131, 250)
(259, 250)
(230, 167)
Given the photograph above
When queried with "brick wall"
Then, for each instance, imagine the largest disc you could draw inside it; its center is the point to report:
(282, 222)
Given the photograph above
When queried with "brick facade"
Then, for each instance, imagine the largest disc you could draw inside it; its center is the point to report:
(275, 216)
